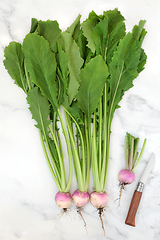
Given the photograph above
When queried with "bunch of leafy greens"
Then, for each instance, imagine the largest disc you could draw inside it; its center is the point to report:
(33, 65)
(83, 71)
(101, 89)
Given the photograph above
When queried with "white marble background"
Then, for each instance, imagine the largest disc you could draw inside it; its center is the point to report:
(27, 207)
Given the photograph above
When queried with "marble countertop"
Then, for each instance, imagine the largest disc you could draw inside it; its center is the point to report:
(27, 207)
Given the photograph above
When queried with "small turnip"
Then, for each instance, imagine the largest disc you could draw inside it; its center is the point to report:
(63, 200)
(99, 200)
(126, 176)
(80, 199)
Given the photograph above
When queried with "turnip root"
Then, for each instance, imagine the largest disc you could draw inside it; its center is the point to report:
(80, 199)
(127, 176)
(99, 200)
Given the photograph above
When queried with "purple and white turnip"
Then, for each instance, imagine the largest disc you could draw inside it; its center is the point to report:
(132, 159)
(63, 200)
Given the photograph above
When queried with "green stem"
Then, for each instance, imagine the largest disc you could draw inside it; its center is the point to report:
(54, 122)
(59, 143)
(140, 156)
(80, 132)
(83, 148)
(77, 142)
(135, 160)
(100, 136)
(27, 77)
(50, 152)
(61, 161)
(88, 149)
(110, 116)
(95, 171)
(49, 164)
(76, 159)
(107, 160)
(105, 143)
(135, 151)
(131, 155)
(69, 152)
(125, 152)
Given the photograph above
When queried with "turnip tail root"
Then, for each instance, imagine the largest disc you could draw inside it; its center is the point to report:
(100, 211)
(80, 213)
(64, 210)
(120, 192)
(99, 201)
(80, 199)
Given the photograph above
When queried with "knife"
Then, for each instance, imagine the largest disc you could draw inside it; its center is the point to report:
(130, 220)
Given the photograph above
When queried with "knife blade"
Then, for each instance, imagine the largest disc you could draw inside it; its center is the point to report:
(130, 219)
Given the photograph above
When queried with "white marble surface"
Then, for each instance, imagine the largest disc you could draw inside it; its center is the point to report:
(27, 207)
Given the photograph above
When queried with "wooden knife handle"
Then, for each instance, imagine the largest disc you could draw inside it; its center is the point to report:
(130, 220)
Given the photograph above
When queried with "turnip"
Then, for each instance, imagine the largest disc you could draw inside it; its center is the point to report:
(99, 200)
(126, 176)
(132, 159)
(80, 199)
(63, 200)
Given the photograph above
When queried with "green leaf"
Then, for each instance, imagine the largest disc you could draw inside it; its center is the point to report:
(100, 36)
(14, 64)
(62, 64)
(87, 27)
(34, 25)
(75, 63)
(123, 69)
(138, 33)
(85, 52)
(41, 65)
(114, 17)
(107, 34)
(142, 62)
(39, 108)
(51, 32)
(93, 78)
(92, 14)
(104, 32)
(113, 40)
(74, 29)
(62, 74)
